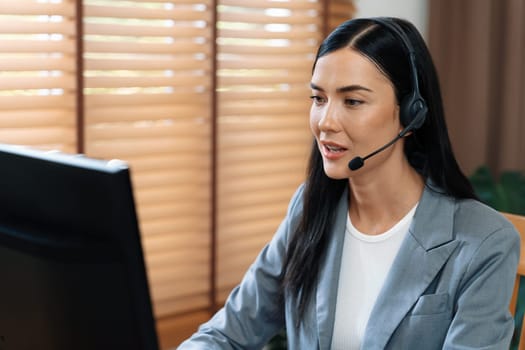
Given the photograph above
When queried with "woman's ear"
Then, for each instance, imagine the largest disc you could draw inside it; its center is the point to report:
(401, 126)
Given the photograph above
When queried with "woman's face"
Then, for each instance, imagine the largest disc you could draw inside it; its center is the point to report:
(354, 112)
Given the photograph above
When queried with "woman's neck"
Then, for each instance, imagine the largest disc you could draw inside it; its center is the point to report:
(378, 203)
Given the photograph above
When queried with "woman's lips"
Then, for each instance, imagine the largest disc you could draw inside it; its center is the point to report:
(333, 151)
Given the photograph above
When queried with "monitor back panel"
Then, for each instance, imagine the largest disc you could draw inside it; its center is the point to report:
(72, 273)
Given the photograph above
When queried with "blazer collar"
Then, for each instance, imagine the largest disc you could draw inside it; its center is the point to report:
(422, 254)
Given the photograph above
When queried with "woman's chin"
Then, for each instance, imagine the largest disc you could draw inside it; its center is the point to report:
(336, 173)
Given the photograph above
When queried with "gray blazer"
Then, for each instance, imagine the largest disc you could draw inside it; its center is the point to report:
(449, 286)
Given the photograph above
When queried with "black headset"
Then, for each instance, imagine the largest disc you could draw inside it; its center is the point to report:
(413, 108)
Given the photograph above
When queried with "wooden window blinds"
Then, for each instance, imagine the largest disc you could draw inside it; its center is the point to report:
(206, 100)
(38, 74)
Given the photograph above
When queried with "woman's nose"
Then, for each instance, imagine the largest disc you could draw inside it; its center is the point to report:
(328, 121)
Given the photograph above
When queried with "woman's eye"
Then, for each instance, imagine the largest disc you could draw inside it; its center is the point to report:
(317, 99)
(352, 102)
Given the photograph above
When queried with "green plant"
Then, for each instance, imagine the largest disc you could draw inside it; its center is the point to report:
(506, 193)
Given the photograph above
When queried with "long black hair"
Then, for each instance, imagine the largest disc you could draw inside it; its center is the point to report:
(428, 149)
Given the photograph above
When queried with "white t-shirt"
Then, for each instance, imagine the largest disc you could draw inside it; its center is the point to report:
(365, 263)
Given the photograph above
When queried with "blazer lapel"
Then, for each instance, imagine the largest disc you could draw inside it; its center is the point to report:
(327, 285)
(422, 254)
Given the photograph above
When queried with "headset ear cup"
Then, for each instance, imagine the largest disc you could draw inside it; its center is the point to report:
(413, 111)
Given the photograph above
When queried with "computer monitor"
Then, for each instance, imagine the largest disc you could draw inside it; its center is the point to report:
(72, 273)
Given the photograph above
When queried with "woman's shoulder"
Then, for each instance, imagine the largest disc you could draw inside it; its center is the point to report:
(474, 220)
(295, 205)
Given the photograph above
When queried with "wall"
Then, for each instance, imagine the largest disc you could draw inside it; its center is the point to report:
(416, 11)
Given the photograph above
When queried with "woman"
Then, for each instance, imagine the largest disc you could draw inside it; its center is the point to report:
(387, 251)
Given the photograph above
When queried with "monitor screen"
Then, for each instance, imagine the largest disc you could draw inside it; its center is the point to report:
(72, 272)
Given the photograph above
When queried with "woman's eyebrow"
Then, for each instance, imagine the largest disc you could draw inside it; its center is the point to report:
(315, 87)
(347, 88)
(352, 88)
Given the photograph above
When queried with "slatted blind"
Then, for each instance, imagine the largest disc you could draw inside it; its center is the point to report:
(338, 12)
(148, 97)
(37, 73)
(148, 78)
(265, 54)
